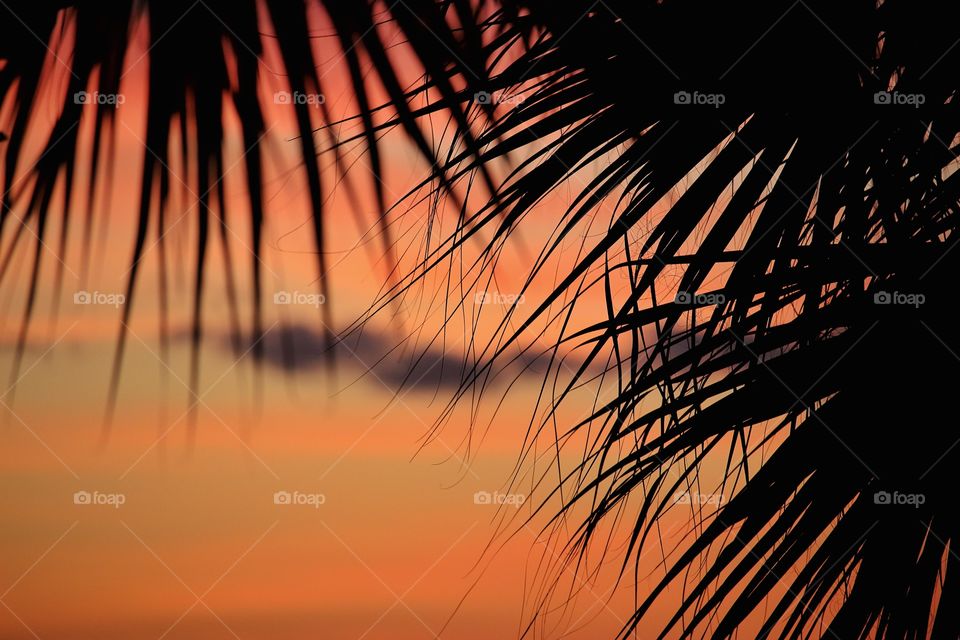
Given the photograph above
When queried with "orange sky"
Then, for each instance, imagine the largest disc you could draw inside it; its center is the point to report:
(199, 549)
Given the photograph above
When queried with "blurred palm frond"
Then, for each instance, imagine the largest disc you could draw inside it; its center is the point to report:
(797, 157)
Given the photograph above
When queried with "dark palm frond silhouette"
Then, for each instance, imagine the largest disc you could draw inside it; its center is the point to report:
(205, 58)
(794, 159)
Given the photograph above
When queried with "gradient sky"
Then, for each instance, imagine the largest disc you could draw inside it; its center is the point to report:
(199, 549)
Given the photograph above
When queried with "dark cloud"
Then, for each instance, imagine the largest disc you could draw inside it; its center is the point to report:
(402, 363)
(395, 362)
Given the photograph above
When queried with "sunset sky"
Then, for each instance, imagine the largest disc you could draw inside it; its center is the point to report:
(478, 320)
(398, 549)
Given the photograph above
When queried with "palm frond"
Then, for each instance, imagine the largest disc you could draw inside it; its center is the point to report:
(799, 159)
(794, 160)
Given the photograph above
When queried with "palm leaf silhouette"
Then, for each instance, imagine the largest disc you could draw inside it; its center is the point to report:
(797, 157)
